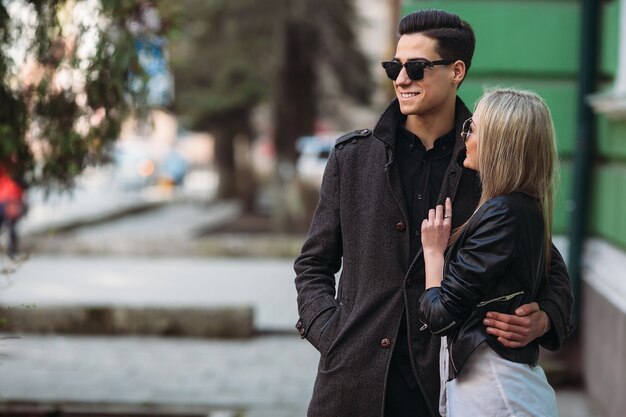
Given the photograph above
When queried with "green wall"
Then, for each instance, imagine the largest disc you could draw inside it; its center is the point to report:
(535, 45)
(609, 202)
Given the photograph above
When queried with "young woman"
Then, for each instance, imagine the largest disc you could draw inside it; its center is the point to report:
(495, 261)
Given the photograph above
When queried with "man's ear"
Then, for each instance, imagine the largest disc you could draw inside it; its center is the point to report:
(458, 69)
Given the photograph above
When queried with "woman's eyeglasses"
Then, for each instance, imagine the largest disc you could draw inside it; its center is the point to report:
(414, 69)
(467, 131)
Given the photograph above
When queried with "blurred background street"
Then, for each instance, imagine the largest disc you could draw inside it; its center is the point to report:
(165, 160)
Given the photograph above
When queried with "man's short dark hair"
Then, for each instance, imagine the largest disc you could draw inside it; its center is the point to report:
(455, 37)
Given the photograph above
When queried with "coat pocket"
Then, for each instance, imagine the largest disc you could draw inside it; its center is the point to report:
(328, 330)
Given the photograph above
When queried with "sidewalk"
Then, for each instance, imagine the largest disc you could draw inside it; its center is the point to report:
(95, 199)
(268, 376)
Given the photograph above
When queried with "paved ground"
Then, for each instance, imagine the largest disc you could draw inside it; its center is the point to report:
(265, 376)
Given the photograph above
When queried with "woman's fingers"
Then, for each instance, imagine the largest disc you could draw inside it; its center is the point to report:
(439, 215)
(448, 210)
(431, 216)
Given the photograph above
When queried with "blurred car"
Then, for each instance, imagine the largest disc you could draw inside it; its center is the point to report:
(173, 169)
(133, 164)
(314, 152)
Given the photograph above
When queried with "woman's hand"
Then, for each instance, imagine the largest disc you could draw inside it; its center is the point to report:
(435, 235)
(436, 228)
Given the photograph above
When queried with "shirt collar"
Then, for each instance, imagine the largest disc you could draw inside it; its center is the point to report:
(408, 141)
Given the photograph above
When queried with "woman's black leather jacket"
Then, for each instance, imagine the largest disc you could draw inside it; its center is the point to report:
(496, 264)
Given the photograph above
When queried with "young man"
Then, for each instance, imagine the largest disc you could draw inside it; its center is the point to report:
(377, 359)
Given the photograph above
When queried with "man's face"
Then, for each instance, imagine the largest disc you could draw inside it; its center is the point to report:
(427, 95)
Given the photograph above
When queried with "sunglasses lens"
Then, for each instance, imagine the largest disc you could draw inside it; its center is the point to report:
(392, 69)
(415, 70)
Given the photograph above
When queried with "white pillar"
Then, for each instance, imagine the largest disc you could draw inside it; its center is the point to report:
(613, 102)
(620, 77)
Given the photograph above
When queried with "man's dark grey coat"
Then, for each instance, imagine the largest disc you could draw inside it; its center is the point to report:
(361, 226)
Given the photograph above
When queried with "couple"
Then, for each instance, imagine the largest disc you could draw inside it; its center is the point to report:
(501, 291)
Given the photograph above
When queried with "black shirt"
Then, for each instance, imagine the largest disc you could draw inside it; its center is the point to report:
(421, 174)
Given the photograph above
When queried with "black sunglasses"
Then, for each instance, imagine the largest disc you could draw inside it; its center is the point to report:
(414, 69)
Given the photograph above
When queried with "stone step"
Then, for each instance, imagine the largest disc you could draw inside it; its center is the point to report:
(61, 409)
(206, 322)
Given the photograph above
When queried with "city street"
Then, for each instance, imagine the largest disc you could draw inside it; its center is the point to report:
(162, 162)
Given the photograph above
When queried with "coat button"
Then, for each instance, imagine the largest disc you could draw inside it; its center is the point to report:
(385, 343)
(409, 283)
(300, 327)
(400, 227)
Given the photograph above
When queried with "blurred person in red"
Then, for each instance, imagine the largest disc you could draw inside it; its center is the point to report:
(12, 207)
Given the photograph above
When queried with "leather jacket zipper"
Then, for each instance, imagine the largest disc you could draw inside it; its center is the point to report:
(481, 304)
(502, 298)
(438, 332)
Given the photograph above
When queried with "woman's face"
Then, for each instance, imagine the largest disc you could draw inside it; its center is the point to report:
(472, 140)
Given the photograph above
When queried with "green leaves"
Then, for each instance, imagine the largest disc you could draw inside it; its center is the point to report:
(67, 103)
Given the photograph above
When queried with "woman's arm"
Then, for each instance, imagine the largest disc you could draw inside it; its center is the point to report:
(472, 270)
(550, 319)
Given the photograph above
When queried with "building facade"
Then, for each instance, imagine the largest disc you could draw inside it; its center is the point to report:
(537, 45)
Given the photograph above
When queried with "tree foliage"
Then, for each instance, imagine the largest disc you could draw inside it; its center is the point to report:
(69, 75)
(229, 56)
(223, 61)
(222, 58)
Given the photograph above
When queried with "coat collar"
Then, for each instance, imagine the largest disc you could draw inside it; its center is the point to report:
(387, 124)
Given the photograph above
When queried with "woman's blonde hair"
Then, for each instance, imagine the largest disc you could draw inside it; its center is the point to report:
(517, 150)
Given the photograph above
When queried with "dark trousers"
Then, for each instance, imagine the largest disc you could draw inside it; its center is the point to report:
(402, 400)
(9, 226)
